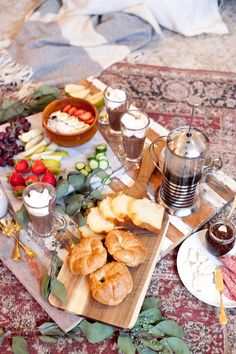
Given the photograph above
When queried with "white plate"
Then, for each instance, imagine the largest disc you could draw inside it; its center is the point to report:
(210, 295)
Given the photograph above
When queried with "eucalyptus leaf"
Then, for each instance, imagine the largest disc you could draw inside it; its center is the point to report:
(48, 339)
(151, 315)
(96, 195)
(2, 335)
(98, 172)
(155, 345)
(45, 286)
(150, 302)
(149, 331)
(62, 188)
(177, 345)
(22, 217)
(125, 344)
(58, 289)
(75, 240)
(73, 206)
(77, 181)
(81, 220)
(50, 329)
(75, 337)
(46, 90)
(59, 209)
(19, 345)
(96, 332)
(146, 351)
(55, 266)
(170, 328)
(6, 104)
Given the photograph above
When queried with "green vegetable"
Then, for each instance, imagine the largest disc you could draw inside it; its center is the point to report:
(101, 148)
(79, 165)
(103, 164)
(93, 163)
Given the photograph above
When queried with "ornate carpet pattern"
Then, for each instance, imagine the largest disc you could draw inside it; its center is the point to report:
(163, 93)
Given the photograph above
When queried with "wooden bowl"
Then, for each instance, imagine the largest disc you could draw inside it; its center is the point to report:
(74, 139)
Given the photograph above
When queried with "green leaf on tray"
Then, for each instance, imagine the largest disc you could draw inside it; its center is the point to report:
(170, 328)
(77, 180)
(58, 289)
(151, 315)
(95, 195)
(148, 331)
(81, 220)
(46, 90)
(19, 345)
(125, 344)
(60, 209)
(2, 335)
(48, 339)
(74, 205)
(75, 240)
(62, 188)
(45, 286)
(146, 351)
(177, 345)
(150, 302)
(155, 344)
(95, 332)
(6, 104)
(50, 329)
(22, 217)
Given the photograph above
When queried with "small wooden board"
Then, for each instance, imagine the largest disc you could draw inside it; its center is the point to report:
(80, 301)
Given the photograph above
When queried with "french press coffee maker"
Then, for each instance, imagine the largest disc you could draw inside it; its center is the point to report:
(186, 160)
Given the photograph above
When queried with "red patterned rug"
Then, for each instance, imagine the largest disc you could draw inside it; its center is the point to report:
(163, 92)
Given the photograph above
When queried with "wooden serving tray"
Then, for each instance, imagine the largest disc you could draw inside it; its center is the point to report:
(80, 301)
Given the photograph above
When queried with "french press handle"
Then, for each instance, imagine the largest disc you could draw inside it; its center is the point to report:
(154, 156)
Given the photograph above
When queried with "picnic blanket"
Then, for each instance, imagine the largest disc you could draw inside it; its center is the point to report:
(64, 41)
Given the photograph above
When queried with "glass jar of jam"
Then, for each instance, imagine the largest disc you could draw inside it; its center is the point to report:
(220, 238)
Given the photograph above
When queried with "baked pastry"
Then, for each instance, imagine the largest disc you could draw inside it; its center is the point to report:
(146, 214)
(119, 205)
(125, 247)
(97, 223)
(111, 283)
(87, 256)
(86, 232)
(106, 210)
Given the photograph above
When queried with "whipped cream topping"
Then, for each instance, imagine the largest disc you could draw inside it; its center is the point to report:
(64, 123)
(115, 98)
(39, 201)
(134, 124)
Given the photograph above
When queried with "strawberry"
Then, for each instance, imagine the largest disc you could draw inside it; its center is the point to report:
(48, 177)
(79, 112)
(31, 179)
(38, 167)
(72, 110)
(86, 116)
(90, 121)
(17, 191)
(66, 108)
(22, 166)
(15, 179)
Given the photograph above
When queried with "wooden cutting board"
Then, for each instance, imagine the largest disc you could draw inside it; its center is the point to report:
(79, 299)
(80, 302)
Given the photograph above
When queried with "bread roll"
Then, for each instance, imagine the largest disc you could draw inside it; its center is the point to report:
(111, 283)
(86, 232)
(87, 256)
(125, 247)
(106, 210)
(119, 205)
(97, 223)
(146, 214)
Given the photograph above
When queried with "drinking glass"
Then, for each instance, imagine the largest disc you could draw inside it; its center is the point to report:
(40, 201)
(134, 128)
(117, 100)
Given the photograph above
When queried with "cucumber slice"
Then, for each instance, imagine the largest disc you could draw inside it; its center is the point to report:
(84, 172)
(87, 168)
(91, 157)
(101, 148)
(100, 156)
(106, 181)
(93, 164)
(103, 164)
(79, 165)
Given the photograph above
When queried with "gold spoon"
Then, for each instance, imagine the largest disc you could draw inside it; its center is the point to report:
(8, 229)
(220, 286)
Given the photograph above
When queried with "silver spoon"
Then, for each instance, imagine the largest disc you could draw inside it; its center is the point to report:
(223, 227)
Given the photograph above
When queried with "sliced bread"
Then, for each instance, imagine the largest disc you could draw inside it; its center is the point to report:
(87, 232)
(119, 205)
(146, 214)
(106, 210)
(97, 223)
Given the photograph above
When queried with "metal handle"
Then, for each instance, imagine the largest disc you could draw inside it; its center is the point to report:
(152, 151)
(213, 167)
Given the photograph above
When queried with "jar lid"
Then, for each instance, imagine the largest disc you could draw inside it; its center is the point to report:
(188, 143)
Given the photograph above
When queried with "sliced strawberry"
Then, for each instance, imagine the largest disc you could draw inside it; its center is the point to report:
(90, 121)
(15, 179)
(86, 116)
(72, 110)
(38, 167)
(31, 179)
(48, 177)
(22, 166)
(66, 108)
(79, 112)
(18, 191)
